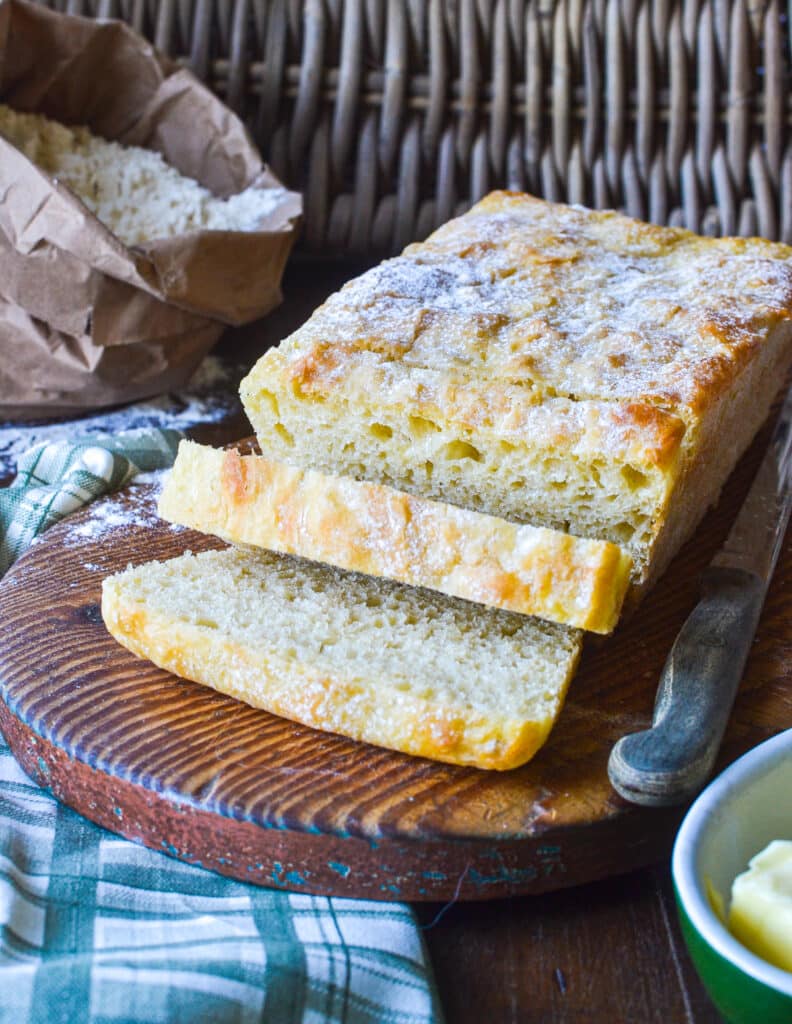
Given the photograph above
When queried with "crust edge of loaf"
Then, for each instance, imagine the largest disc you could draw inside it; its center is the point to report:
(737, 416)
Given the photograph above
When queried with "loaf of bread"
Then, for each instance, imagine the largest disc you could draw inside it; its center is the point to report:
(546, 364)
(131, 190)
(530, 363)
(370, 528)
(396, 666)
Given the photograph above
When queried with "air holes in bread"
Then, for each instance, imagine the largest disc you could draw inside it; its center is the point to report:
(456, 450)
(420, 427)
(268, 399)
(623, 533)
(634, 478)
(283, 434)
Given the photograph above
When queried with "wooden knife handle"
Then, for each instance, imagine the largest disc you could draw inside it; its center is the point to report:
(670, 762)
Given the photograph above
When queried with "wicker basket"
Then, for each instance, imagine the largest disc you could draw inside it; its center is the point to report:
(392, 115)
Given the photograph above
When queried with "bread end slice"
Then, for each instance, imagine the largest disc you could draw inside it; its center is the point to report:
(376, 661)
(379, 530)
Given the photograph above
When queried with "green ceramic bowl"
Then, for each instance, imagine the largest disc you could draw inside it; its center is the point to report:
(735, 817)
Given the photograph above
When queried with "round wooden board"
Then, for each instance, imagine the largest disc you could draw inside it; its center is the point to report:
(209, 780)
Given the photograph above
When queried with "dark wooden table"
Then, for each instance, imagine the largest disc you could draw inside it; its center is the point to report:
(608, 952)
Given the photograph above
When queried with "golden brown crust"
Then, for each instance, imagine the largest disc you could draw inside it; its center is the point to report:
(585, 304)
(381, 531)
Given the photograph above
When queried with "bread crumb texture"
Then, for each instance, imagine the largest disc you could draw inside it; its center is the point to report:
(393, 665)
(131, 190)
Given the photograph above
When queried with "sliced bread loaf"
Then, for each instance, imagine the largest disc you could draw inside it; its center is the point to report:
(568, 368)
(375, 529)
(396, 666)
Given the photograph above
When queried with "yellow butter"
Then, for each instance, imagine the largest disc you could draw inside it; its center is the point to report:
(761, 906)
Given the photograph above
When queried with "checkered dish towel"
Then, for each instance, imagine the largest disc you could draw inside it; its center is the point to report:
(95, 929)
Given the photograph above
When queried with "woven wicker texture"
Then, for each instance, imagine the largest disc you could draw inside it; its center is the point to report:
(392, 115)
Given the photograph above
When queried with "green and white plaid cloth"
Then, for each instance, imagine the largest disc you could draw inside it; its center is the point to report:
(55, 479)
(97, 930)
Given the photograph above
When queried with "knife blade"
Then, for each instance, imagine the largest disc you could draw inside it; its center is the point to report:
(668, 763)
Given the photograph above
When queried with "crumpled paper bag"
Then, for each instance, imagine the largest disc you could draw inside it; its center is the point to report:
(69, 288)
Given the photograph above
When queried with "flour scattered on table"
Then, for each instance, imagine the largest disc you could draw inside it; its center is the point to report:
(210, 396)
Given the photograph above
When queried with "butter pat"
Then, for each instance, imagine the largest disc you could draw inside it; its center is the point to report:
(761, 906)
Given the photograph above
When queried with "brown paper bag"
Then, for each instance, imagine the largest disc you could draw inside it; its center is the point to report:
(44, 372)
(74, 285)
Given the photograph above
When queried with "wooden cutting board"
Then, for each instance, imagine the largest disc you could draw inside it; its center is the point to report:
(201, 777)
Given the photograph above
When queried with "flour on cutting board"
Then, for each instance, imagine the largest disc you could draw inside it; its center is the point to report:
(106, 521)
(106, 515)
(209, 396)
(134, 508)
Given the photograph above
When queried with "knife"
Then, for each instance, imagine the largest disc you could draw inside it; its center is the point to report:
(669, 763)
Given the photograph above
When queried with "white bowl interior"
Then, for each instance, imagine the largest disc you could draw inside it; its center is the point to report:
(736, 816)
(743, 823)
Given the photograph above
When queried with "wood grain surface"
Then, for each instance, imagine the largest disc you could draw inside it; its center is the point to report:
(207, 779)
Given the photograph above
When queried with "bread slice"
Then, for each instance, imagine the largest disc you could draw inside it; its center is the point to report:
(132, 190)
(396, 666)
(548, 364)
(370, 528)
